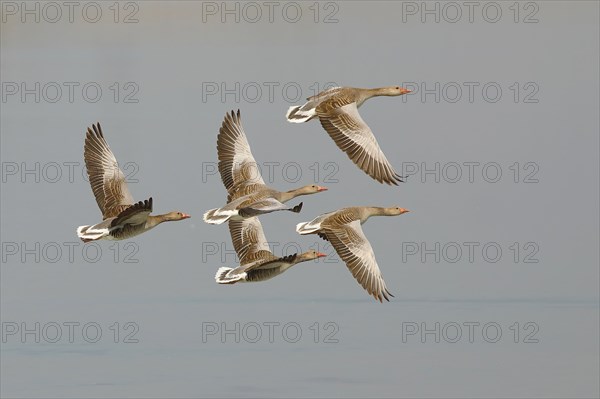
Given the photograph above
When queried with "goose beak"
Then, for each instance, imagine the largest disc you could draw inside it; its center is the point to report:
(321, 188)
(321, 255)
(404, 91)
(402, 210)
(186, 216)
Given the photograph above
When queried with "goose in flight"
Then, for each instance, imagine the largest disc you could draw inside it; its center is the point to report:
(337, 109)
(257, 262)
(122, 217)
(247, 193)
(342, 228)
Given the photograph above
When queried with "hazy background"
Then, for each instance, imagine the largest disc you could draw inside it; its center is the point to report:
(169, 61)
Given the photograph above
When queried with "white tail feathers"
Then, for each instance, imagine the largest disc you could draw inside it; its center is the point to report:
(81, 230)
(208, 215)
(214, 217)
(300, 226)
(296, 114)
(222, 276)
(88, 233)
(307, 227)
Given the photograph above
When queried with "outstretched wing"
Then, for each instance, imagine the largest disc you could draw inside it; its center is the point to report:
(245, 190)
(325, 94)
(249, 240)
(352, 246)
(107, 180)
(237, 165)
(353, 136)
(134, 215)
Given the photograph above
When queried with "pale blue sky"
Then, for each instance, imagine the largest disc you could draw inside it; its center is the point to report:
(545, 126)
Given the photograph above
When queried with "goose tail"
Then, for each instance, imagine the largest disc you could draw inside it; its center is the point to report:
(214, 217)
(222, 276)
(90, 233)
(307, 228)
(297, 114)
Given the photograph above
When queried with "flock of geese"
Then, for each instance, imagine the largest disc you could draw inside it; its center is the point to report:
(248, 196)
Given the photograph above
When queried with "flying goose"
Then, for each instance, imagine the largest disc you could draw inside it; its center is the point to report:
(122, 217)
(247, 193)
(257, 262)
(337, 109)
(342, 228)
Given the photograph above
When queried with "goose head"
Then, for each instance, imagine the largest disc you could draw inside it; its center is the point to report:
(394, 211)
(175, 216)
(393, 91)
(310, 189)
(310, 255)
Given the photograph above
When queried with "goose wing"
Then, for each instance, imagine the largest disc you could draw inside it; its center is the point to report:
(134, 215)
(325, 94)
(237, 165)
(340, 118)
(354, 249)
(249, 240)
(106, 178)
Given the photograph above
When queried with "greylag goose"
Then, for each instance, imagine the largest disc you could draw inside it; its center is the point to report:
(122, 217)
(247, 193)
(257, 262)
(337, 109)
(342, 228)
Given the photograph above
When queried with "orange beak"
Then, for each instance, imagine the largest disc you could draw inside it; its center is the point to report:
(186, 216)
(321, 255)
(405, 91)
(321, 188)
(402, 210)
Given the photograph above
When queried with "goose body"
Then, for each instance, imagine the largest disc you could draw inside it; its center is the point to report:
(254, 204)
(257, 262)
(122, 217)
(342, 228)
(247, 193)
(337, 110)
